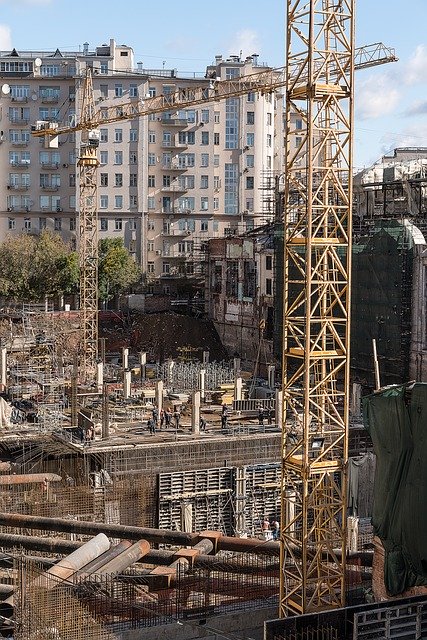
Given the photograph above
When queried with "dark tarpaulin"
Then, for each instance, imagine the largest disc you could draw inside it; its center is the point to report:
(396, 419)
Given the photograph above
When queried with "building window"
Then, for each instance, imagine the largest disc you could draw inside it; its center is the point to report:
(150, 267)
(118, 90)
(231, 188)
(217, 182)
(152, 92)
(204, 117)
(251, 96)
(118, 135)
(72, 224)
(151, 159)
(132, 224)
(249, 182)
(204, 226)
(216, 138)
(42, 223)
(103, 68)
(104, 179)
(250, 139)
(11, 223)
(269, 139)
(204, 182)
(151, 226)
(232, 123)
(269, 286)
(204, 203)
(57, 224)
(103, 224)
(216, 160)
(298, 125)
(151, 136)
(216, 204)
(103, 202)
(133, 91)
(103, 91)
(133, 180)
(150, 245)
(151, 202)
(216, 117)
(133, 158)
(103, 133)
(250, 117)
(118, 224)
(250, 159)
(205, 137)
(118, 202)
(72, 179)
(103, 157)
(133, 135)
(204, 160)
(118, 157)
(166, 267)
(268, 263)
(151, 180)
(133, 202)
(118, 179)
(269, 119)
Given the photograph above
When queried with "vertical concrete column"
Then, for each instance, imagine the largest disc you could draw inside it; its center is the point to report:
(279, 408)
(271, 375)
(236, 366)
(105, 433)
(102, 342)
(125, 358)
(195, 413)
(205, 357)
(3, 370)
(202, 378)
(127, 378)
(142, 364)
(240, 522)
(238, 388)
(159, 394)
(170, 365)
(99, 375)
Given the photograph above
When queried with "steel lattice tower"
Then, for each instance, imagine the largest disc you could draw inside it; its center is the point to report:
(88, 235)
(317, 258)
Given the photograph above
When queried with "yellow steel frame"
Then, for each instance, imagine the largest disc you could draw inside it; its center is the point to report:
(317, 246)
(88, 237)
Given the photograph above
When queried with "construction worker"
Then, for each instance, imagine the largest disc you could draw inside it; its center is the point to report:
(261, 416)
(162, 418)
(177, 416)
(202, 424)
(151, 425)
(168, 417)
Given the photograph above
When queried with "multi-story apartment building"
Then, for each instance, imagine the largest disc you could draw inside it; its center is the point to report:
(166, 181)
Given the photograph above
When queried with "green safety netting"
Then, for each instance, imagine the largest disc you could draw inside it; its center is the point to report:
(396, 418)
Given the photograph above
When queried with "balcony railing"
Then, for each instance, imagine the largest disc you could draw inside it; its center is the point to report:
(49, 187)
(50, 165)
(19, 143)
(19, 164)
(49, 99)
(19, 120)
(175, 186)
(17, 186)
(174, 122)
(19, 98)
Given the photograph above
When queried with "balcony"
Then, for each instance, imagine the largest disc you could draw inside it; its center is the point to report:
(48, 186)
(50, 165)
(18, 120)
(21, 99)
(174, 144)
(19, 142)
(174, 187)
(174, 253)
(173, 166)
(174, 122)
(176, 232)
(17, 186)
(20, 164)
(49, 99)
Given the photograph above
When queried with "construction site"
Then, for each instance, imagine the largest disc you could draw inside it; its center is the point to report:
(152, 485)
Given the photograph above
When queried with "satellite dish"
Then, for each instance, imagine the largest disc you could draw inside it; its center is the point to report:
(38, 62)
(5, 89)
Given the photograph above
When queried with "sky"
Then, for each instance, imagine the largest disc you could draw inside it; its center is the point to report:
(391, 100)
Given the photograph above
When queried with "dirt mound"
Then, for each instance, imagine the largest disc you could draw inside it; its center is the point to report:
(163, 336)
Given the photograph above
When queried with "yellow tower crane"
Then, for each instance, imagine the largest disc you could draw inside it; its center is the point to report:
(318, 78)
(316, 315)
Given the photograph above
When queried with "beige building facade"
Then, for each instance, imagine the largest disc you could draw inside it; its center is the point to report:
(166, 182)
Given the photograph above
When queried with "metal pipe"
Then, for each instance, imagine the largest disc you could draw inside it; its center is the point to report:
(34, 543)
(157, 536)
(30, 478)
(98, 562)
(125, 559)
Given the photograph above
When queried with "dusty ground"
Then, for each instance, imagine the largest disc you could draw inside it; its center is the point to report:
(162, 336)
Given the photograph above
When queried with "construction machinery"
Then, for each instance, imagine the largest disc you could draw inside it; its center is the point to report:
(319, 78)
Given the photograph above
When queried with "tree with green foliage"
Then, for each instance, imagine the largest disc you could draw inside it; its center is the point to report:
(117, 271)
(32, 267)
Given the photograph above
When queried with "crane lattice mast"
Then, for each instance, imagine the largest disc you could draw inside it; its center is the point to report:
(317, 258)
